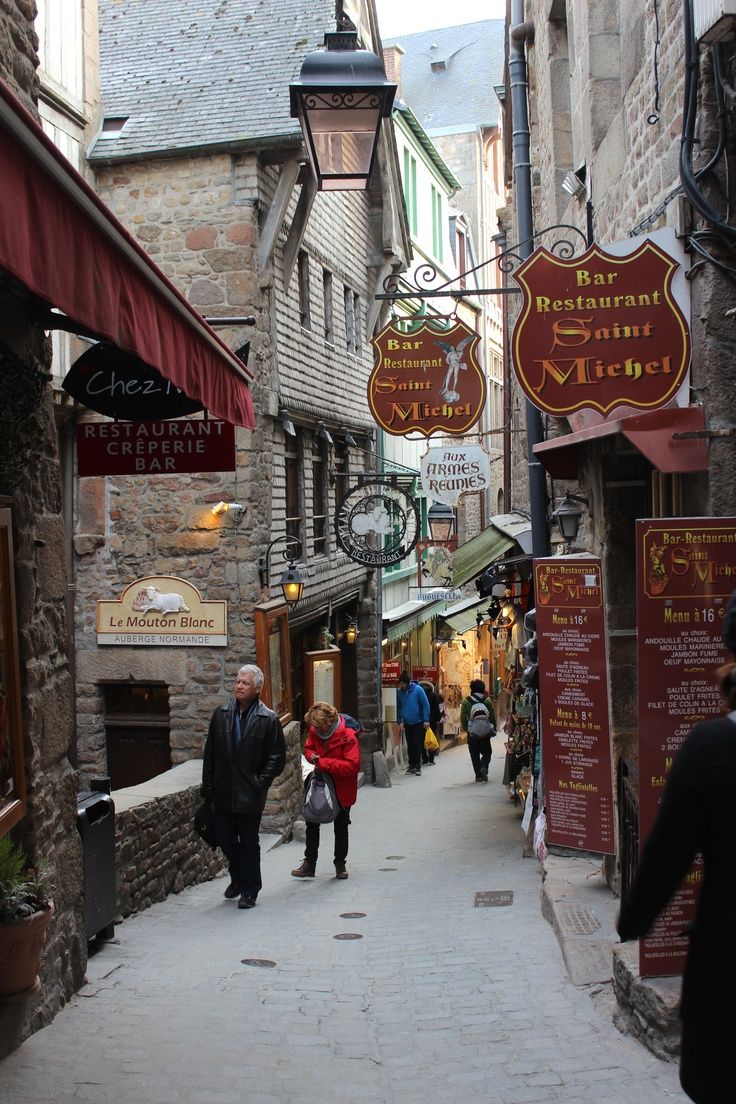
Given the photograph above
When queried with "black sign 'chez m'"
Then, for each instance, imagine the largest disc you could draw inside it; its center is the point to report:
(118, 384)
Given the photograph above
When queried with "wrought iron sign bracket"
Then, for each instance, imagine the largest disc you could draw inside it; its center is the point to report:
(398, 287)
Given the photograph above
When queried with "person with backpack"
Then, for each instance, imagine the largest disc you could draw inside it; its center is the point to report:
(332, 747)
(478, 719)
(428, 755)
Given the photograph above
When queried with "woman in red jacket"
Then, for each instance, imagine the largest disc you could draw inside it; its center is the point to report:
(333, 748)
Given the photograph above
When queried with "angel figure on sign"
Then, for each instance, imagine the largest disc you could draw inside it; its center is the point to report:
(454, 362)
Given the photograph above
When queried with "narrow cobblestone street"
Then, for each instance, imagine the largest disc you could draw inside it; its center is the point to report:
(437, 1001)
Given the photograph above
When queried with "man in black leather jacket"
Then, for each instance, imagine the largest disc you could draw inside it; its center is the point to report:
(243, 754)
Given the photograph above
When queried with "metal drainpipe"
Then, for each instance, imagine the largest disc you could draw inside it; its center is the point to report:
(523, 203)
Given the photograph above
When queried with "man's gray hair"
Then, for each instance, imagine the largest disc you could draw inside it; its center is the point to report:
(256, 672)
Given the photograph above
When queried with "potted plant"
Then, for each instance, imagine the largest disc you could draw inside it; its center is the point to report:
(25, 910)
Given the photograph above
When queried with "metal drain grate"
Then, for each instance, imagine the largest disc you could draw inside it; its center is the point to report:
(351, 915)
(493, 898)
(267, 963)
(577, 919)
(348, 935)
(390, 857)
(388, 868)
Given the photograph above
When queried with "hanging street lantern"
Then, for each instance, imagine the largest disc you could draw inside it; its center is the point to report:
(340, 98)
(441, 520)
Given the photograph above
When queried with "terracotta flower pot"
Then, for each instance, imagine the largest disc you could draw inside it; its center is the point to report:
(21, 944)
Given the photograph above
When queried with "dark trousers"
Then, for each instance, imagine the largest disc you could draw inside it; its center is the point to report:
(480, 753)
(414, 743)
(237, 835)
(340, 822)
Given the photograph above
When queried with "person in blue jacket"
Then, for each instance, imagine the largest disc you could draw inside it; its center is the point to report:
(412, 711)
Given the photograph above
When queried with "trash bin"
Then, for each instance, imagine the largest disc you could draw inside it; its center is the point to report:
(96, 824)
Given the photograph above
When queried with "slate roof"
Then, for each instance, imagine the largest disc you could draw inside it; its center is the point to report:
(194, 73)
(457, 94)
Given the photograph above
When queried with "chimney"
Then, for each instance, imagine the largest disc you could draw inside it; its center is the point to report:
(392, 63)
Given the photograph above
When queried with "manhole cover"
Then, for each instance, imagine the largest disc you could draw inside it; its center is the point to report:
(268, 963)
(394, 857)
(351, 915)
(577, 919)
(348, 935)
(388, 868)
(493, 898)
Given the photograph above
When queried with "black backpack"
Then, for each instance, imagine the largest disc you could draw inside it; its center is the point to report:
(480, 724)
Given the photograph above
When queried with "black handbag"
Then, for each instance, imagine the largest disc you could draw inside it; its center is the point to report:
(204, 823)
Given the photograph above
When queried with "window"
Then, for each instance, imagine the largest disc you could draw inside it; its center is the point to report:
(340, 472)
(305, 313)
(349, 321)
(327, 301)
(358, 342)
(319, 498)
(410, 190)
(137, 732)
(293, 478)
(462, 257)
(437, 228)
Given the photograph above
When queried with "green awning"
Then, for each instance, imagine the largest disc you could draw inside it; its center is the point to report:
(475, 555)
(400, 620)
(462, 616)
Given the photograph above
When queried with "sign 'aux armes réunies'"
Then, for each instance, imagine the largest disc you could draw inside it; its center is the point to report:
(600, 331)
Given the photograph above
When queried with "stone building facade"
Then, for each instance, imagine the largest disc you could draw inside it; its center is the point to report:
(599, 109)
(30, 488)
(241, 232)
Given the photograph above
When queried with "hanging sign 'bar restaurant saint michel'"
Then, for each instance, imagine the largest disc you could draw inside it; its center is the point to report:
(426, 379)
(600, 332)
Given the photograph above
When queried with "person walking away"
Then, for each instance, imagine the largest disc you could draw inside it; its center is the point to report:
(693, 817)
(243, 754)
(332, 746)
(412, 711)
(478, 720)
(428, 757)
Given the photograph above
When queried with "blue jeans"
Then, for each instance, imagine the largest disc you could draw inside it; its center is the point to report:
(237, 835)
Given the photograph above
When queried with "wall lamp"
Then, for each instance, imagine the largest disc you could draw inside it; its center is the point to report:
(286, 422)
(441, 519)
(351, 632)
(236, 508)
(340, 99)
(291, 582)
(574, 182)
(568, 514)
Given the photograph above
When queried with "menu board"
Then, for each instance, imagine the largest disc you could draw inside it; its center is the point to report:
(685, 571)
(573, 701)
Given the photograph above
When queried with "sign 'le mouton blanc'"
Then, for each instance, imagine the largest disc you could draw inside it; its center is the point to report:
(600, 331)
(426, 379)
(162, 610)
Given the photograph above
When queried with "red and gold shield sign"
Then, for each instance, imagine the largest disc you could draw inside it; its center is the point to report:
(427, 380)
(600, 331)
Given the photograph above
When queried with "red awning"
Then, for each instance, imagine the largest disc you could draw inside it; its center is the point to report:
(655, 434)
(60, 240)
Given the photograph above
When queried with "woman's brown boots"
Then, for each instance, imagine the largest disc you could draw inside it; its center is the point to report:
(306, 870)
(340, 871)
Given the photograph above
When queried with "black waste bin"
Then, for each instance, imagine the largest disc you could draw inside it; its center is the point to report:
(96, 824)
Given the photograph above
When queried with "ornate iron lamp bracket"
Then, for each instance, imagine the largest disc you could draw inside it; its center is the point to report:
(397, 287)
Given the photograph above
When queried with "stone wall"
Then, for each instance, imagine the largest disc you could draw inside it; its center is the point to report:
(48, 831)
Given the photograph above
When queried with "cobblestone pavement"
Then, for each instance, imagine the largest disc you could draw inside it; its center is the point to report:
(437, 1001)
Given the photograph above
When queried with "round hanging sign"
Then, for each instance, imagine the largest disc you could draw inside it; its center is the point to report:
(377, 523)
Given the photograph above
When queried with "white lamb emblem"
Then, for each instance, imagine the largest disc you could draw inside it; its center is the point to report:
(151, 598)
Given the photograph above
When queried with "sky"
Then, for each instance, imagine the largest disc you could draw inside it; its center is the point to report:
(397, 17)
